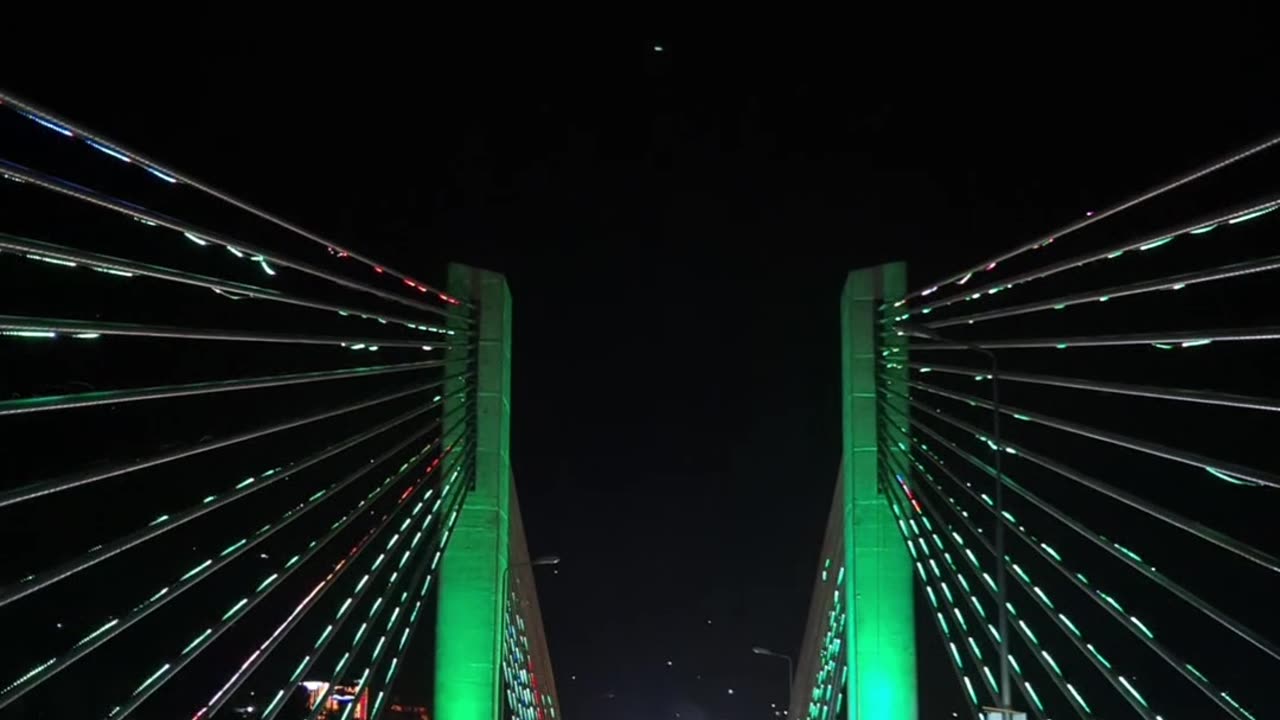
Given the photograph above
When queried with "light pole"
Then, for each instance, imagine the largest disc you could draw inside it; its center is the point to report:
(790, 668)
(536, 562)
(1002, 581)
(506, 593)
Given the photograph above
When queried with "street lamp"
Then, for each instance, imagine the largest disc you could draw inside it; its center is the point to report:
(541, 561)
(1002, 583)
(790, 669)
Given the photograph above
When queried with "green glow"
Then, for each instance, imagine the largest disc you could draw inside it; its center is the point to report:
(1057, 670)
(1067, 621)
(29, 333)
(1052, 552)
(1128, 552)
(1098, 655)
(151, 679)
(880, 637)
(193, 643)
(1132, 690)
(232, 548)
(1250, 216)
(98, 632)
(1142, 627)
(1079, 699)
(1223, 476)
(1115, 254)
(1197, 673)
(1205, 229)
(1030, 635)
(1035, 698)
(158, 520)
(1014, 662)
(234, 608)
(196, 569)
(973, 645)
(1156, 243)
(968, 686)
(52, 261)
(1021, 574)
(1110, 600)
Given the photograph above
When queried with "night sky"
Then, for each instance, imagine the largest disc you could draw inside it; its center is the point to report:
(675, 226)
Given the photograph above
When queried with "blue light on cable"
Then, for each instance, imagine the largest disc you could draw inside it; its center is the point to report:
(52, 126)
(162, 176)
(113, 153)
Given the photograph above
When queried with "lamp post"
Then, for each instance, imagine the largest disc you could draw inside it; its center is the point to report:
(1002, 582)
(790, 667)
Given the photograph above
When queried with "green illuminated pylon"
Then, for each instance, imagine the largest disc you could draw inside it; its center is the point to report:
(470, 615)
(880, 639)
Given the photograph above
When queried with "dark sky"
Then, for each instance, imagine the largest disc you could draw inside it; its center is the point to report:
(675, 227)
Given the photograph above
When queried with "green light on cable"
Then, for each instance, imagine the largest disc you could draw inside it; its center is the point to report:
(1134, 692)
(1079, 699)
(1250, 216)
(1223, 476)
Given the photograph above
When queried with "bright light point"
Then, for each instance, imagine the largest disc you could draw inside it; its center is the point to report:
(266, 268)
(109, 151)
(668, 663)
(658, 49)
(1195, 343)
(86, 336)
(1250, 216)
(730, 691)
(195, 238)
(51, 126)
(162, 176)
